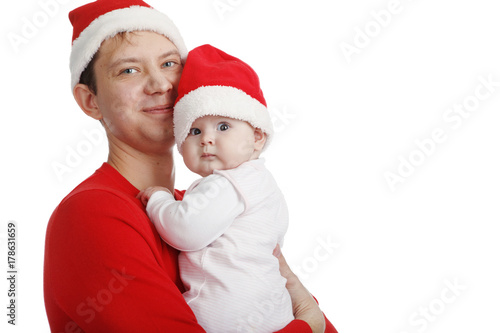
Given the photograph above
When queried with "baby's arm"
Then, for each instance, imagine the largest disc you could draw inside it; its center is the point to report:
(203, 215)
(144, 195)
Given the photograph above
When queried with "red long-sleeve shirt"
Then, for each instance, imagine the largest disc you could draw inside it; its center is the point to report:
(106, 268)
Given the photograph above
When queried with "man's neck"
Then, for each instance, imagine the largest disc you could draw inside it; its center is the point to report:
(143, 170)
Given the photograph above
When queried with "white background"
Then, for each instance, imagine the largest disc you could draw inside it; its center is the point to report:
(344, 121)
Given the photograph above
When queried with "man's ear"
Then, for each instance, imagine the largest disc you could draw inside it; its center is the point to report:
(86, 99)
(260, 139)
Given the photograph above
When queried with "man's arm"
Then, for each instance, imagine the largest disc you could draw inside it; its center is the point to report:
(108, 271)
(305, 307)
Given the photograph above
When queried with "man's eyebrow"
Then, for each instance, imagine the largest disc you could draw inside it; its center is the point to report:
(118, 62)
(122, 61)
(170, 53)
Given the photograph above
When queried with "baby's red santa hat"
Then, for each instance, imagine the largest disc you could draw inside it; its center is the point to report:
(218, 84)
(97, 21)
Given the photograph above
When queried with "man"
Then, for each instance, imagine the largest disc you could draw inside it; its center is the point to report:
(106, 268)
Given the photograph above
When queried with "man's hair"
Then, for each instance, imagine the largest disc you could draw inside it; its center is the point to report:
(88, 75)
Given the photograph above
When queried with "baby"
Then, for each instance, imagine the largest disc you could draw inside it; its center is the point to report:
(229, 221)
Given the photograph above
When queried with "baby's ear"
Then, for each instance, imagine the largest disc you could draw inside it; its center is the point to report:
(260, 139)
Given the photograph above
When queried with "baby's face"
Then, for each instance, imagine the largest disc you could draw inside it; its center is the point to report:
(219, 143)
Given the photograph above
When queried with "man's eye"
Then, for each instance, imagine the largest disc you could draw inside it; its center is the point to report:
(169, 64)
(194, 131)
(129, 71)
(222, 127)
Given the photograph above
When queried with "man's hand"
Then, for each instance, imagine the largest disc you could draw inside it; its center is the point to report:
(304, 306)
(144, 195)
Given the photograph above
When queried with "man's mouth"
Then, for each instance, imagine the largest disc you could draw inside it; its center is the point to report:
(159, 109)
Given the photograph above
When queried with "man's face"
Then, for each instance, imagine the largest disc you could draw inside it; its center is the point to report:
(137, 79)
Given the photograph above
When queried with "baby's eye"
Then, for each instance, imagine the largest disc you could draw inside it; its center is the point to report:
(194, 131)
(222, 127)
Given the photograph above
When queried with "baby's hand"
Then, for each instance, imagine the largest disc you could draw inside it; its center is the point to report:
(144, 195)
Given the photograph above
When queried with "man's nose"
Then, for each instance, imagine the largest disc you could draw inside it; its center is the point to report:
(157, 83)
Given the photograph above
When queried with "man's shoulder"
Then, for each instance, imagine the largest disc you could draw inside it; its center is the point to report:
(98, 194)
(96, 206)
(105, 189)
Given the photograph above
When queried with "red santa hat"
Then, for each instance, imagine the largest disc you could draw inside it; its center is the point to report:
(102, 19)
(218, 84)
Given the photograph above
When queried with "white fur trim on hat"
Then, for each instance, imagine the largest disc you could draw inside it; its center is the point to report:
(134, 18)
(222, 101)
